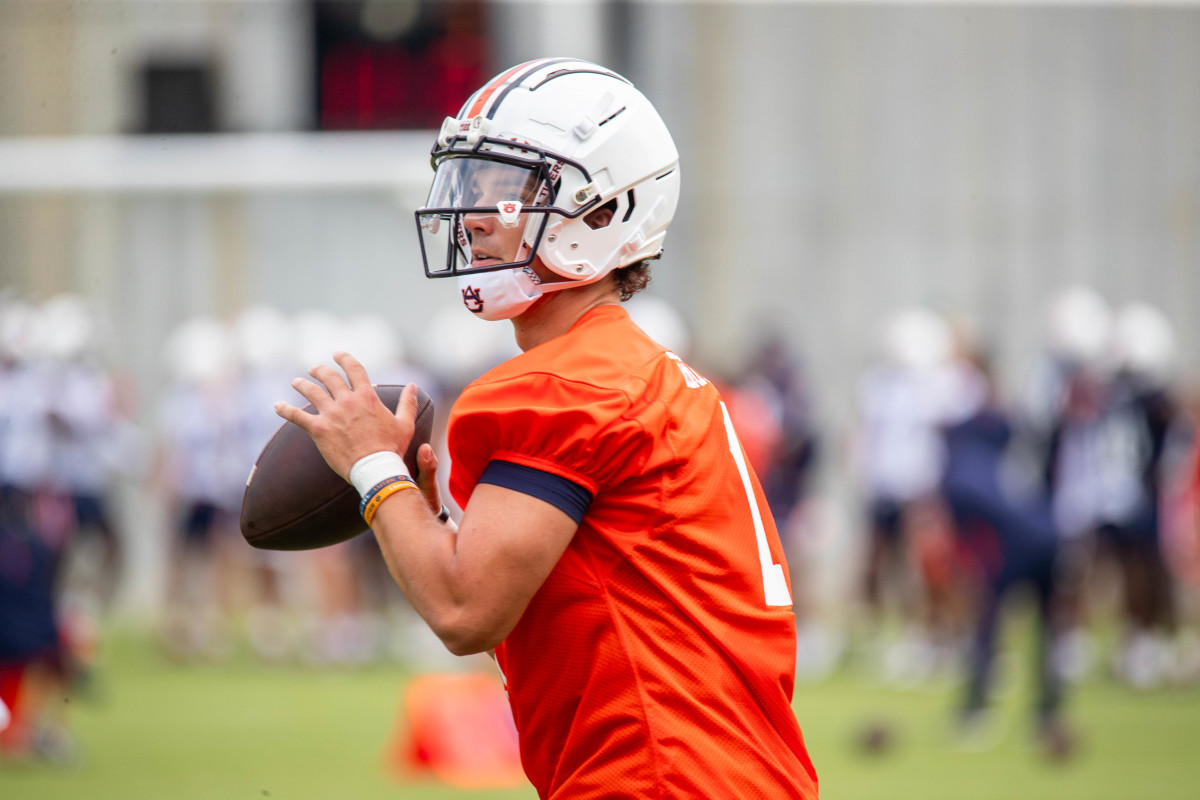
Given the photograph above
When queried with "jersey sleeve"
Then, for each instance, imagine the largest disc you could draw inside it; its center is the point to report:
(567, 496)
(574, 430)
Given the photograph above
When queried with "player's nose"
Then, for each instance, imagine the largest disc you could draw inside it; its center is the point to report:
(480, 223)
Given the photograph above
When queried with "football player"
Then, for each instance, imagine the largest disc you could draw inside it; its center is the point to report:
(615, 551)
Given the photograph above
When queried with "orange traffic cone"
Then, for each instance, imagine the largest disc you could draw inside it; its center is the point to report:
(459, 728)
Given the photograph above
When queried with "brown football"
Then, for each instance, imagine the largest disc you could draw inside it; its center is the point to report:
(294, 501)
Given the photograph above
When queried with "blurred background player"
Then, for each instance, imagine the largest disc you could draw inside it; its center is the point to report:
(263, 346)
(203, 471)
(34, 529)
(1131, 442)
(1008, 541)
(1053, 449)
(93, 443)
(903, 400)
(35, 671)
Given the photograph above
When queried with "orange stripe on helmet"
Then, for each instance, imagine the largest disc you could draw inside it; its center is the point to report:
(486, 92)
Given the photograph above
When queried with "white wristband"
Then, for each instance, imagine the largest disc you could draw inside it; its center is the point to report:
(370, 470)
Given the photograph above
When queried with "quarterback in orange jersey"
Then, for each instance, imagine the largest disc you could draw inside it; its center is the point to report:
(615, 550)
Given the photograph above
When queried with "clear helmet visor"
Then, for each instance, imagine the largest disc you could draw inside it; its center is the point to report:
(481, 215)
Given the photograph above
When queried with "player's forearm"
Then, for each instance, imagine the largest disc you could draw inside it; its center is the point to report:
(423, 557)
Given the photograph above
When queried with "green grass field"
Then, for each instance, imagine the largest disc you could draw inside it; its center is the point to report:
(150, 729)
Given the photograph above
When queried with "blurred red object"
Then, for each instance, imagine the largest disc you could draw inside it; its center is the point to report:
(459, 728)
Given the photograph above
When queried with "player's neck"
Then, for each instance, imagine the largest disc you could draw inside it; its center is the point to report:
(555, 313)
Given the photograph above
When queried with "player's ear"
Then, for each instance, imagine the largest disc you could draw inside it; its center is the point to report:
(602, 216)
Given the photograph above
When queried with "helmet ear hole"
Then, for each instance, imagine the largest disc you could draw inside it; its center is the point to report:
(602, 216)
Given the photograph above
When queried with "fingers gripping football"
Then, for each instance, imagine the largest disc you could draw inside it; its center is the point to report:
(351, 421)
(295, 501)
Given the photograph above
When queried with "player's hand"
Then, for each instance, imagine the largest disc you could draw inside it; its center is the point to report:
(351, 421)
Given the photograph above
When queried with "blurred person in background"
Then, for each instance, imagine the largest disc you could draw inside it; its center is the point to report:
(1131, 441)
(1053, 450)
(203, 471)
(342, 631)
(263, 347)
(1077, 333)
(26, 434)
(1008, 541)
(615, 552)
(34, 663)
(899, 456)
(1103, 411)
(336, 633)
(92, 443)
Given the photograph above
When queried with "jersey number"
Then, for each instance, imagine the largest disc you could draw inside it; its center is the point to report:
(774, 583)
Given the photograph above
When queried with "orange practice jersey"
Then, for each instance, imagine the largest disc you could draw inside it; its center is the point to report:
(658, 658)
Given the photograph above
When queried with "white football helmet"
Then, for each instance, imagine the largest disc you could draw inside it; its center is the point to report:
(538, 148)
(1144, 343)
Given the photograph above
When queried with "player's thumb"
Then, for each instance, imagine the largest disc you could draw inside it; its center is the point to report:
(427, 463)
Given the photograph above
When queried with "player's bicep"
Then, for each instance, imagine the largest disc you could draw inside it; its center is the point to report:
(509, 542)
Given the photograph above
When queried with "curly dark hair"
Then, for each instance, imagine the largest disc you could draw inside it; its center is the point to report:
(632, 279)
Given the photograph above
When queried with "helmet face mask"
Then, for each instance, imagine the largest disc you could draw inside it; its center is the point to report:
(498, 186)
(521, 168)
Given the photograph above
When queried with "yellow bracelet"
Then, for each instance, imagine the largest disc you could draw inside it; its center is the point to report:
(366, 498)
(383, 494)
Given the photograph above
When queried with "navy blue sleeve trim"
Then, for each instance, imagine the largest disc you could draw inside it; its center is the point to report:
(567, 496)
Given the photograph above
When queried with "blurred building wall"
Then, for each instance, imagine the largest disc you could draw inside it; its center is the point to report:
(838, 160)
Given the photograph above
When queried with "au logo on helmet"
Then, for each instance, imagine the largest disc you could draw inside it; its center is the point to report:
(510, 212)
